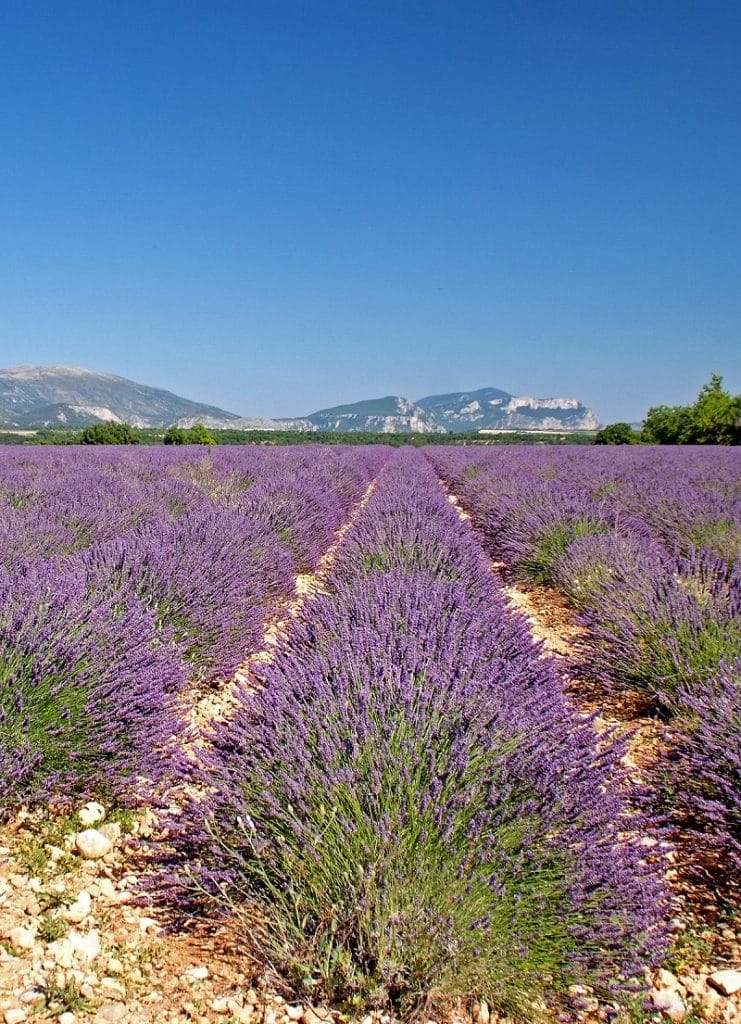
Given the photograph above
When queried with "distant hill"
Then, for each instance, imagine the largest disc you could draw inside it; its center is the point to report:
(390, 415)
(72, 397)
(492, 409)
(458, 412)
(36, 396)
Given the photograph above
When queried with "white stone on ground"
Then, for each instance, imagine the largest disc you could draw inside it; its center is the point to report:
(92, 845)
(21, 938)
(727, 982)
(15, 1016)
(91, 813)
(670, 1003)
(80, 908)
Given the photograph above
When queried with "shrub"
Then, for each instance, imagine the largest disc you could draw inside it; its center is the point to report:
(670, 628)
(210, 578)
(87, 689)
(617, 433)
(109, 433)
(302, 511)
(704, 770)
(409, 524)
(596, 563)
(408, 808)
(714, 418)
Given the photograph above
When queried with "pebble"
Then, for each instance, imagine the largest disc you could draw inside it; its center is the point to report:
(80, 908)
(310, 1016)
(31, 906)
(727, 982)
(32, 995)
(92, 844)
(709, 1004)
(15, 1016)
(668, 980)
(85, 948)
(295, 1012)
(670, 1003)
(113, 986)
(112, 831)
(21, 938)
(111, 1013)
(196, 973)
(481, 1012)
(91, 813)
(67, 1017)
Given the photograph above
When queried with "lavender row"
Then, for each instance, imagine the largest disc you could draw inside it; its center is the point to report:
(407, 805)
(178, 565)
(662, 613)
(651, 564)
(56, 502)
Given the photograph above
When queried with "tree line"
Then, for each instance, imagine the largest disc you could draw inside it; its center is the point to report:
(714, 418)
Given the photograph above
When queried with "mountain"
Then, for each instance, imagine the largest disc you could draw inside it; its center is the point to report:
(491, 409)
(73, 397)
(458, 412)
(34, 396)
(390, 415)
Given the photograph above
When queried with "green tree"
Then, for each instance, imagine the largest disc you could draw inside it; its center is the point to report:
(715, 418)
(199, 434)
(716, 415)
(175, 435)
(109, 433)
(616, 433)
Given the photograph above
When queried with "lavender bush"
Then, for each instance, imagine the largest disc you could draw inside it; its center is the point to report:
(413, 809)
(87, 689)
(210, 579)
(592, 566)
(409, 524)
(672, 627)
(704, 770)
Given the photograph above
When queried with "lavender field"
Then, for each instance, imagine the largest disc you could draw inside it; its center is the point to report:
(404, 803)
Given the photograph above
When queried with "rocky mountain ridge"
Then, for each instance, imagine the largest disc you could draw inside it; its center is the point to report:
(37, 396)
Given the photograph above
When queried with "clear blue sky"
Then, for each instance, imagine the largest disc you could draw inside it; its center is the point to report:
(278, 206)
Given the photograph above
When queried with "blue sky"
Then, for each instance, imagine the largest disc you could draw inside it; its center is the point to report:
(280, 206)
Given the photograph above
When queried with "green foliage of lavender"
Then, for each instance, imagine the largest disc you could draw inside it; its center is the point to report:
(703, 782)
(88, 689)
(660, 624)
(549, 544)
